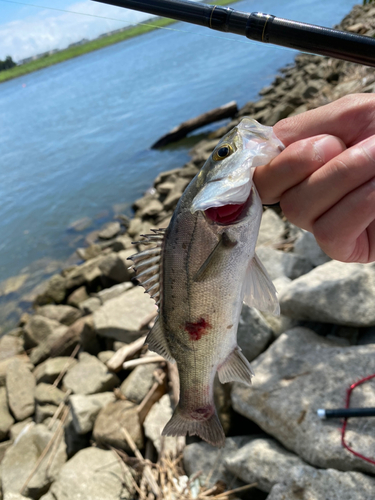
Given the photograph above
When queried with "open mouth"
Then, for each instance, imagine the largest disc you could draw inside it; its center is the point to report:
(228, 214)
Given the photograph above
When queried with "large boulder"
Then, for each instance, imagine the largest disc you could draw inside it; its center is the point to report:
(118, 318)
(21, 458)
(20, 386)
(92, 474)
(298, 374)
(89, 376)
(286, 476)
(334, 292)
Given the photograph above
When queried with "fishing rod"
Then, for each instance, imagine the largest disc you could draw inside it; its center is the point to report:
(262, 28)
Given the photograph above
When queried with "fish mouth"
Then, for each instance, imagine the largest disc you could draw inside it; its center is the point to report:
(228, 214)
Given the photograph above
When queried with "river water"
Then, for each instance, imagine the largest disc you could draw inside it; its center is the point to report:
(75, 137)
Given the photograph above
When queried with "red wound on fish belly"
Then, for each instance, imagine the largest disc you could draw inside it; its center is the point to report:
(227, 214)
(196, 330)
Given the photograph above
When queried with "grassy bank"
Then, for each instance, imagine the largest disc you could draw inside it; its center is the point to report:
(97, 44)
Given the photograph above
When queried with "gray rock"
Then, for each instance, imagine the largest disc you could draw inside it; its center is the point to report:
(272, 228)
(89, 252)
(54, 291)
(277, 470)
(307, 247)
(155, 422)
(64, 314)
(115, 267)
(40, 328)
(20, 459)
(279, 264)
(334, 292)
(44, 412)
(50, 369)
(19, 427)
(90, 305)
(48, 394)
(110, 230)
(43, 350)
(20, 386)
(105, 356)
(6, 362)
(299, 373)
(92, 474)
(4, 445)
(210, 460)
(112, 419)
(6, 419)
(15, 496)
(86, 408)
(136, 385)
(117, 290)
(152, 208)
(116, 318)
(254, 334)
(10, 346)
(78, 296)
(89, 376)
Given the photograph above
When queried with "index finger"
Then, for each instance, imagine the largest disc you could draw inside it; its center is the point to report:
(351, 118)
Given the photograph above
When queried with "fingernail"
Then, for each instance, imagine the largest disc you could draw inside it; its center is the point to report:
(326, 147)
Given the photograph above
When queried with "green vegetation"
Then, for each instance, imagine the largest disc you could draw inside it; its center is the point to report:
(7, 63)
(97, 44)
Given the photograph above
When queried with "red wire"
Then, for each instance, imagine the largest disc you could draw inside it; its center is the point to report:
(343, 429)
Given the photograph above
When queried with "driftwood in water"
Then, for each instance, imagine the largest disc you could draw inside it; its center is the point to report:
(226, 111)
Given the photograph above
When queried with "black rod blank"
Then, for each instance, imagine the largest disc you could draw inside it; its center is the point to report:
(262, 28)
(346, 412)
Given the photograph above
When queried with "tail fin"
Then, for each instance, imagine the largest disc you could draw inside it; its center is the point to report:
(209, 430)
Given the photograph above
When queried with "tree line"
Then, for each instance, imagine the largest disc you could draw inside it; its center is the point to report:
(7, 63)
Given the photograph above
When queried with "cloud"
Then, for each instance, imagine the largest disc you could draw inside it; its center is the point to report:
(50, 29)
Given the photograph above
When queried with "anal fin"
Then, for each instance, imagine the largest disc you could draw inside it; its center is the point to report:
(157, 342)
(235, 368)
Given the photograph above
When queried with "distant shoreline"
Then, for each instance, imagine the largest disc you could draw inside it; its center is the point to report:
(98, 43)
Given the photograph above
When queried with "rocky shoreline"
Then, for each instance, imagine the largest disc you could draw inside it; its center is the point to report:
(82, 401)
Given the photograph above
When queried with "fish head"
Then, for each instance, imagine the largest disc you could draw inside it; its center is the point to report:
(225, 187)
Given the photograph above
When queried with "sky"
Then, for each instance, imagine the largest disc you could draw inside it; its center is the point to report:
(31, 27)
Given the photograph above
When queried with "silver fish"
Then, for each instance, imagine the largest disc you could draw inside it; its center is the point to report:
(201, 269)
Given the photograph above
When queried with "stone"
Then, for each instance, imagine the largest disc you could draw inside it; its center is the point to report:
(135, 227)
(115, 267)
(6, 419)
(82, 331)
(110, 421)
(79, 295)
(89, 376)
(20, 460)
(105, 356)
(89, 252)
(279, 264)
(335, 292)
(48, 394)
(12, 284)
(86, 408)
(44, 412)
(19, 427)
(64, 314)
(175, 194)
(20, 386)
(85, 274)
(154, 423)
(54, 291)
(298, 374)
(44, 350)
(307, 246)
(90, 305)
(272, 228)
(4, 445)
(39, 328)
(123, 242)
(74, 442)
(136, 385)
(92, 474)
(4, 364)
(116, 318)
(253, 334)
(119, 289)
(151, 209)
(50, 369)
(10, 346)
(210, 460)
(275, 469)
(110, 230)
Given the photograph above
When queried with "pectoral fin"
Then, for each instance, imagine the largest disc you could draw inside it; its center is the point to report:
(210, 265)
(235, 368)
(259, 291)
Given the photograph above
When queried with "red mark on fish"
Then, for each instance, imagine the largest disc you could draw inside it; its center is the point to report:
(196, 330)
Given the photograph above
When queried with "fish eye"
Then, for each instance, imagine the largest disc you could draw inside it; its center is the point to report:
(222, 152)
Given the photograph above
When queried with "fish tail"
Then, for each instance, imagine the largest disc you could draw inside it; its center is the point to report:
(209, 430)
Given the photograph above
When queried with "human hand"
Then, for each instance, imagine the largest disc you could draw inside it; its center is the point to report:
(325, 178)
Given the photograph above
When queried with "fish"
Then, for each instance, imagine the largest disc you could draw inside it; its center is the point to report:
(200, 270)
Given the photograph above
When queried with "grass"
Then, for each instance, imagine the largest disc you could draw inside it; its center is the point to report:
(97, 44)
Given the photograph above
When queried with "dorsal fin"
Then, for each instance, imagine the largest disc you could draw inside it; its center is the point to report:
(148, 262)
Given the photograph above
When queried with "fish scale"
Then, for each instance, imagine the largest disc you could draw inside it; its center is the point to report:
(207, 267)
